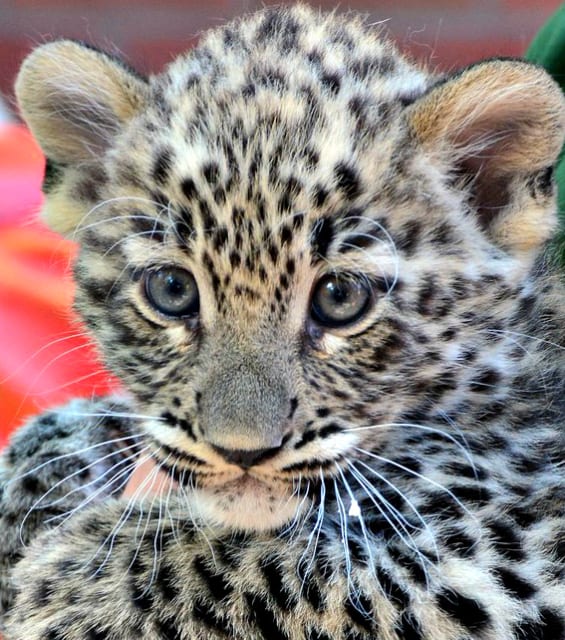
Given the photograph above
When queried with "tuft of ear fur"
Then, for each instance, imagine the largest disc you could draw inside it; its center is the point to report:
(75, 98)
(501, 124)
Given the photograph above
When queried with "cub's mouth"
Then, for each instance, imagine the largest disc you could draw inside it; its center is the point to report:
(228, 496)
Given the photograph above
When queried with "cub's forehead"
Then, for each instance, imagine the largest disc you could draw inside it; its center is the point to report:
(279, 106)
(293, 48)
(293, 68)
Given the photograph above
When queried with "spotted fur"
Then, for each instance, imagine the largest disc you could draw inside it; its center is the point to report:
(397, 477)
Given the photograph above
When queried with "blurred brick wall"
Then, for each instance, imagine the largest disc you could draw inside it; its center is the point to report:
(446, 33)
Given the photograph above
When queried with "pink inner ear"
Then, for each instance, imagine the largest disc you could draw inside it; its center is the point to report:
(497, 124)
(495, 141)
(484, 147)
(501, 116)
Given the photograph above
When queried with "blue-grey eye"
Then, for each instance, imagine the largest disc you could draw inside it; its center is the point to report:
(339, 300)
(172, 291)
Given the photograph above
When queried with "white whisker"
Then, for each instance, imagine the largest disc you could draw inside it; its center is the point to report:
(121, 521)
(344, 537)
(115, 479)
(417, 475)
(314, 536)
(70, 455)
(368, 546)
(82, 487)
(409, 425)
(404, 497)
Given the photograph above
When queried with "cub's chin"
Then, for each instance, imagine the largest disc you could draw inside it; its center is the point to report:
(247, 504)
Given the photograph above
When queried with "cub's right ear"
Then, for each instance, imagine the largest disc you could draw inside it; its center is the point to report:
(75, 99)
(500, 124)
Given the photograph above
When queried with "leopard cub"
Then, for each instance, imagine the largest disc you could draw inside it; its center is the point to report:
(320, 273)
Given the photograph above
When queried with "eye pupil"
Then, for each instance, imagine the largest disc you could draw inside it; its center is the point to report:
(338, 293)
(172, 291)
(173, 286)
(339, 300)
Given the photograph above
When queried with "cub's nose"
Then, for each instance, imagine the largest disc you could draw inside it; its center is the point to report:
(246, 458)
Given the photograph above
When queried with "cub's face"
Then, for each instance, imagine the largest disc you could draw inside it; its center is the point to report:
(288, 272)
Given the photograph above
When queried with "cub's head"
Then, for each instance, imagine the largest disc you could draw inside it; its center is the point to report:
(293, 243)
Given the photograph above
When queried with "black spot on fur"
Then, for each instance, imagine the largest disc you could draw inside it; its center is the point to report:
(89, 187)
(286, 235)
(550, 626)
(442, 504)
(271, 79)
(467, 611)
(293, 407)
(307, 436)
(515, 585)
(54, 633)
(162, 166)
(329, 430)
(188, 187)
(321, 236)
(141, 596)
(281, 27)
(506, 541)
(264, 618)
(202, 611)
(408, 628)
(30, 484)
(410, 463)
(187, 427)
(359, 610)
(216, 582)
(484, 381)
(391, 589)
(331, 82)
(320, 196)
(97, 634)
(53, 175)
(448, 334)
(315, 634)
(220, 238)
(273, 252)
(43, 593)
(208, 221)
(462, 470)
(456, 540)
(290, 267)
(347, 180)
(274, 577)
(211, 173)
(151, 228)
(426, 296)
(444, 234)
(358, 108)
(310, 590)
(410, 562)
(472, 493)
(166, 582)
(168, 629)
(357, 241)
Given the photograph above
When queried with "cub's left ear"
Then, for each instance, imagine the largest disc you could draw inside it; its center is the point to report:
(501, 124)
(75, 100)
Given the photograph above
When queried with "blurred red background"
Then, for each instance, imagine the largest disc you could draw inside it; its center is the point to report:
(44, 356)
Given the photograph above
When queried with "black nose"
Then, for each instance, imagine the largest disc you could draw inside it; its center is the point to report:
(246, 458)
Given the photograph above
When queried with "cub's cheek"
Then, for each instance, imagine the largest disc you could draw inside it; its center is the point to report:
(148, 480)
